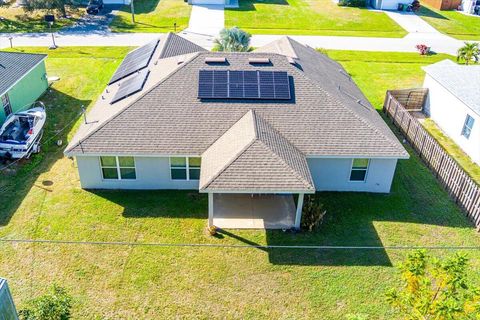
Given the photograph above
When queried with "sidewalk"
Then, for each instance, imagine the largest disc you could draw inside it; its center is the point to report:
(411, 22)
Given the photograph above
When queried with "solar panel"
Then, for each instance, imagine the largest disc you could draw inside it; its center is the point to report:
(131, 86)
(222, 84)
(134, 61)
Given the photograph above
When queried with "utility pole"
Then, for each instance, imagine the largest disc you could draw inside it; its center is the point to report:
(132, 10)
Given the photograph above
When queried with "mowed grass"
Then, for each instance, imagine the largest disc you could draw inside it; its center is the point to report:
(310, 17)
(43, 200)
(153, 16)
(452, 23)
(16, 19)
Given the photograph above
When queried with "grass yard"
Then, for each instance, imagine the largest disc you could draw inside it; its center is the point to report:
(43, 200)
(452, 23)
(18, 20)
(153, 16)
(310, 17)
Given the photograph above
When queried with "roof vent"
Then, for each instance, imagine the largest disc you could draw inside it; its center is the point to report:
(181, 60)
(259, 60)
(215, 60)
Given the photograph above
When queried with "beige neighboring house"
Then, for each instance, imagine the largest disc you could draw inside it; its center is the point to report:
(252, 130)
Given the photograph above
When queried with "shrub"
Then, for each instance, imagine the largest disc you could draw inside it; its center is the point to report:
(54, 305)
(232, 40)
(422, 49)
(352, 3)
(312, 213)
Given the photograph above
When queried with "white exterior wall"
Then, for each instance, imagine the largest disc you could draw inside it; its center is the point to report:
(151, 172)
(391, 4)
(449, 114)
(331, 174)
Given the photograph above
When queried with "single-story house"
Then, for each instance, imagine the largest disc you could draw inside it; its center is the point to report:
(453, 103)
(249, 129)
(386, 4)
(23, 79)
(7, 307)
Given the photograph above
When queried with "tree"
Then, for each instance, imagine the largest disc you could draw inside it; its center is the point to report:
(470, 51)
(435, 289)
(58, 5)
(233, 40)
(55, 305)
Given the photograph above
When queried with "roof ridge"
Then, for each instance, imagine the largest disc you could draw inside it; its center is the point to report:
(292, 170)
(339, 103)
(165, 43)
(132, 103)
(234, 158)
(279, 156)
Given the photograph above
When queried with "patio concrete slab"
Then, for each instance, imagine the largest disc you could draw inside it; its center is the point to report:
(245, 211)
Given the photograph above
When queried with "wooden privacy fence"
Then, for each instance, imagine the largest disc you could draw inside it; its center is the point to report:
(464, 191)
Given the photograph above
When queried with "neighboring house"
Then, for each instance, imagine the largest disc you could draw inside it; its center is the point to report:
(453, 103)
(470, 6)
(23, 79)
(249, 129)
(386, 4)
(7, 307)
(443, 4)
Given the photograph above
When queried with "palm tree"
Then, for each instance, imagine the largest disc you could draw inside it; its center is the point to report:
(470, 51)
(233, 40)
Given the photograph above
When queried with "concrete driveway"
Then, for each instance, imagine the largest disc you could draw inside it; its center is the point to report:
(92, 24)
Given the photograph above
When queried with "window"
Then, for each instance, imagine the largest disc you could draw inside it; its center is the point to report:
(468, 126)
(118, 168)
(359, 169)
(7, 106)
(185, 168)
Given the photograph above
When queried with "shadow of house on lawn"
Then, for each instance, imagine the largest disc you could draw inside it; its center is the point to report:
(140, 204)
(62, 112)
(249, 5)
(141, 7)
(426, 12)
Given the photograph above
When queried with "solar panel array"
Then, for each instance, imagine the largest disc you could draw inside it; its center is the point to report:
(131, 86)
(230, 84)
(134, 61)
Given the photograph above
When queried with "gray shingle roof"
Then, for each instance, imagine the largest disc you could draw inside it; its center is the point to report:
(14, 66)
(252, 155)
(462, 81)
(175, 45)
(320, 120)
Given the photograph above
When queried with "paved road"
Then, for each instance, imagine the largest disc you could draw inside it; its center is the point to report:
(206, 21)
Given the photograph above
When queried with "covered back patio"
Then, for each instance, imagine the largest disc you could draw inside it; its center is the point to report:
(254, 211)
(251, 174)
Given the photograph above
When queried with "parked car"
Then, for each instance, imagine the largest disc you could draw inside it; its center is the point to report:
(94, 6)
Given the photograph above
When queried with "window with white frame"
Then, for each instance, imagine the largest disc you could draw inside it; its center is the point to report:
(185, 168)
(359, 169)
(118, 168)
(468, 126)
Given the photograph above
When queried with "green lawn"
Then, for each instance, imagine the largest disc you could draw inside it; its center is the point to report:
(153, 16)
(18, 20)
(452, 23)
(43, 200)
(453, 149)
(310, 17)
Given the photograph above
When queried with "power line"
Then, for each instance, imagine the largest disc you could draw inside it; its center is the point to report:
(239, 246)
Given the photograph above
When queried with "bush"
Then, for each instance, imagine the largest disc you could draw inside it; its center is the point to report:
(353, 3)
(312, 213)
(422, 49)
(55, 305)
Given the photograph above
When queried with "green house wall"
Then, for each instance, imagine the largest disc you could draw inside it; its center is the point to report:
(27, 90)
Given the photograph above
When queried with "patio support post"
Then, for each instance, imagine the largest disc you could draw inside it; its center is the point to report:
(298, 215)
(210, 209)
